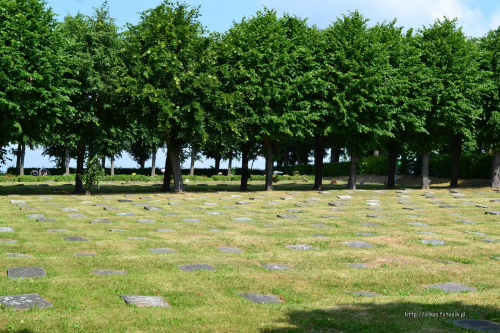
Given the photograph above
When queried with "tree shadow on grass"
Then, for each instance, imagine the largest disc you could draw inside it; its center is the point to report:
(388, 317)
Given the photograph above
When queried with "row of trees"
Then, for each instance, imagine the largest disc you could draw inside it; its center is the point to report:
(269, 83)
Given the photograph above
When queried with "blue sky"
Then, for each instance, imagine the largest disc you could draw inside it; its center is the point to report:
(476, 17)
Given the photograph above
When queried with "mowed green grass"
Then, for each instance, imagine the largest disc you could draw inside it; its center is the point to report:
(313, 291)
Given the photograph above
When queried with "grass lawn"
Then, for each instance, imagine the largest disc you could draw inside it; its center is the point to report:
(316, 288)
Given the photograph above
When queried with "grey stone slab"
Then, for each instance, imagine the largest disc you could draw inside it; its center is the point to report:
(82, 254)
(358, 265)
(487, 240)
(138, 238)
(242, 202)
(336, 204)
(25, 272)
(482, 206)
(276, 267)
(140, 204)
(75, 239)
(35, 216)
(287, 216)
(419, 224)
(192, 220)
(173, 203)
(117, 230)
(475, 233)
(451, 287)
(301, 247)
(152, 208)
(241, 219)
(262, 299)
(162, 250)
(46, 220)
(100, 221)
(146, 301)
(109, 272)
(17, 201)
(373, 215)
(373, 204)
(69, 209)
(495, 200)
(57, 230)
(369, 224)
(215, 229)
(295, 211)
(196, 267)
(320, 225)
(493, 212)
(146, 221)
(6, 229)
(230, 250)
(477, 325)
(214, 213)
(8, 241)
(165, 230)
(76, 215)
(432, 242)
(17, 255)
(359, 245)
(320, 236)
(363, 293)
(209, 204)
(447, 206)
(344, 197)
(125, 200)
(466, 221)
(125, 214)
(425, 233)
(24, 301)
(366, 234)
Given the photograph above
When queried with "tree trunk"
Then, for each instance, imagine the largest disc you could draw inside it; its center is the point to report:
(80, 160)
(393, 165)
(319, 153)
(112, 166)
(18, 158)
(168, 175)
(245, 155)
(23, 154)
(66, 160)
(456, 151)
(141, 165)
(495, 170)
(153, 163)
(425, 171)
(353, 172)
(174, 154)
(193, 157)
(230, 163)
(217, 164)
(269, 163)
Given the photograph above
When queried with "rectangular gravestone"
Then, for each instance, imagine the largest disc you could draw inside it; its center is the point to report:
(146, 301)
(24, 301)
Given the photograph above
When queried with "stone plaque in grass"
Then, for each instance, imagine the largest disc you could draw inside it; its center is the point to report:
(125, 214)
(146, 221)
(192, 220)
(75, 239)
(141, 204)
(109, 272)
(495, 200)
(373, 215)
(229, 250)
(287, 216)
(359, 245)
(76, 215)
(215, 229)
(418, 224)
(344, 197)
(100, 221)
(242, 202)
(365, 234)
(25, 272)
(493, 212)
(336, 204)
(117, 230)
(276, 267)
(8, 241)
(466, 221)
(81, 254)
(162, 250)
(301, 247)
(151, 208)
(69, 209)
(173, 203)
(363, 293)
(35, 216)
(482, 206)
(125, 200)
(451, 287)
(24, 301)
(432, 242)
(6, 229)
(370, 224)
(475, 233)
(165, 230)
(17, 201)
(477, 325)
(57, 230)
(487, 240)
(196, 267)
(320, 236)
(447, 206)
(319, 225)
(146, 301)
(425, 233)
(241, 219)
(358, 265)
(214, 213)
(17, 255)
(138, 238)
(262, 299)
(295, 211)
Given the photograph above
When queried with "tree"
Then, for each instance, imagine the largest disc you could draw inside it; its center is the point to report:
(34, 87)
(169, 69)
(453, 87)
(489, 124)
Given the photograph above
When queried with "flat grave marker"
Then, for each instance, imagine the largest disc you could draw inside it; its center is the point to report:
(25, 301)
(25, 272)
(146, 301)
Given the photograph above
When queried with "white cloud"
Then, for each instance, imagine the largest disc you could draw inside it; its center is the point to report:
(476, 21)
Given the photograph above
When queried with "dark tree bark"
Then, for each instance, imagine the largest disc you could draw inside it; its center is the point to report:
(425, 171)
(112, 166)
(23, 154)
(245, 155)
(142, 164)
(268, 147)
(217, 164)
(393, 165)
(495, 170)
(18, 158)
(168, 175)
(456, 151)
(153, 162)
(80, 160)
(230, 163)
(66, 160)
(319, 153)
(353, 172)
(174, 152)
(193, 157)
